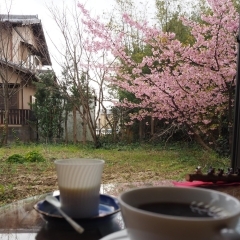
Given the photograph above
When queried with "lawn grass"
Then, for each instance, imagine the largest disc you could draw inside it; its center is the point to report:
(126, 163)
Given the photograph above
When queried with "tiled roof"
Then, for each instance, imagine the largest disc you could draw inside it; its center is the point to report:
(24, 19)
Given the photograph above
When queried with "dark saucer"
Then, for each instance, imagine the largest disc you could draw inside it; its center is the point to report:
(108, 206)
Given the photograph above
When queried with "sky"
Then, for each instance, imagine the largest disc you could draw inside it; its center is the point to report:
(39, 7)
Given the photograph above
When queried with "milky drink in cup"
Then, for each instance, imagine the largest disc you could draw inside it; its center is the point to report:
(79, 182)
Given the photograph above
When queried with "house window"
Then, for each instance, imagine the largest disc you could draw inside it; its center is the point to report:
(13, 101)
(28, 57)
(33, 62)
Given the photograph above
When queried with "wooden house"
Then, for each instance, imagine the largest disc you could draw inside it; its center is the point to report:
(23, 56)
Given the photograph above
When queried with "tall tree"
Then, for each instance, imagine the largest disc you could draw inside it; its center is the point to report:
(48, 108)
(191, 85)
(83, 83)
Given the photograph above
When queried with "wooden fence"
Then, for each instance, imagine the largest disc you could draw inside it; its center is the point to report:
(17, 116)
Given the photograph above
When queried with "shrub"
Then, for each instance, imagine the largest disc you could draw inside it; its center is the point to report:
(34, 157)
(16, 158)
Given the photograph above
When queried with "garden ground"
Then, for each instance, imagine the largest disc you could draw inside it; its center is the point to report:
(123, 164)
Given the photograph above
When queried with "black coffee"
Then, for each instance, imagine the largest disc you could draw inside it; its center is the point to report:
(178, 209)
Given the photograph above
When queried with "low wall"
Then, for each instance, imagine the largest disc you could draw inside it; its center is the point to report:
(24, 133)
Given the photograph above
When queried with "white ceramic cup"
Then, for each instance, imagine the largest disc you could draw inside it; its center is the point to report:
(142, 224)
(79, 183)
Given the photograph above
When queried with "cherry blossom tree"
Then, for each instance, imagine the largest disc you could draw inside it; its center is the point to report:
(188, 85)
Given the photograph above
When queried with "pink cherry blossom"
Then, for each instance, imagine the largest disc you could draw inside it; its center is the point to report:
(191, 85)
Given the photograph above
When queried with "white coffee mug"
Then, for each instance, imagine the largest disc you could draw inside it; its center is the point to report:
(145, 224)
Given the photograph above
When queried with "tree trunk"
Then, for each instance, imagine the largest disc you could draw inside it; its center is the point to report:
(199, 140)
(65, 126)
(74, 126)
(152, 126)
(84, 137)
(141, 130)
(4, 139)
(230, 120)
(114, 130)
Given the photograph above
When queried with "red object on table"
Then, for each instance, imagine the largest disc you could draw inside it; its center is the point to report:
(203, 184)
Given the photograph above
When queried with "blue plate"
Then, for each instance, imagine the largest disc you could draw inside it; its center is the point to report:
(108, 206)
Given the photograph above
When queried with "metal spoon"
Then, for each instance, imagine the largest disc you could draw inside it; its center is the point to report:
(53, 201)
